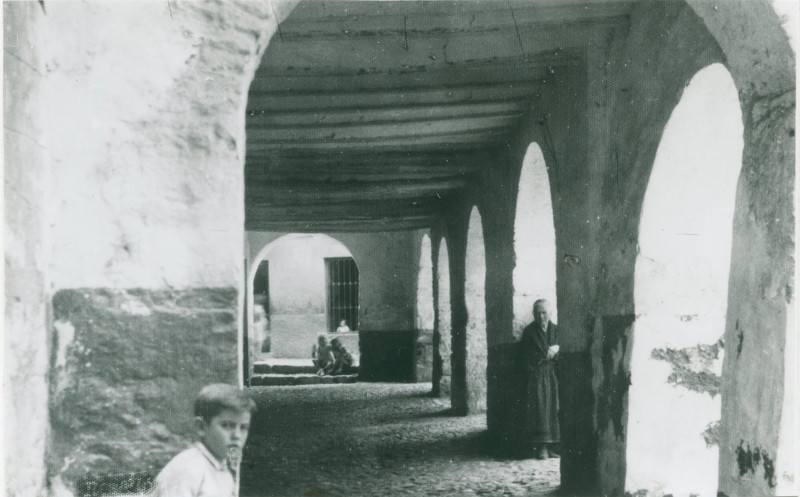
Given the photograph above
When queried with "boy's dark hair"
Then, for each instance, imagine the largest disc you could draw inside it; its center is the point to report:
(213, 399)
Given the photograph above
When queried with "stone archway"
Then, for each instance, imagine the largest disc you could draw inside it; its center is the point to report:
(680, 291)
(425, 303)
(534, 275)
(761, 290)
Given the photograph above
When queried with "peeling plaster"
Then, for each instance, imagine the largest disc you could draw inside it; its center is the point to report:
(693, 367)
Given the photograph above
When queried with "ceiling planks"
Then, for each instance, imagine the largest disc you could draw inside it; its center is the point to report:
(368, 115)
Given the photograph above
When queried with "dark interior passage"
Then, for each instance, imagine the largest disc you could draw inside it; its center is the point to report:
(377, 439)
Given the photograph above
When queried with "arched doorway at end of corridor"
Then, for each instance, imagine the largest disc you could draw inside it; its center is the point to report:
(306, 284)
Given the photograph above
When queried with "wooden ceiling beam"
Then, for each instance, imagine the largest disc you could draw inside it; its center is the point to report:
(390, 113)
(351, 98)
(385, 129)
(517, 70)
(370, 159)
(312, 226)
(436, 52)
(348, 19)
(339, 174)
(305, 193)
(384, 208)
(451, 142)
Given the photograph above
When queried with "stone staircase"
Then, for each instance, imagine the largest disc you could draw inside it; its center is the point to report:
(277, 372)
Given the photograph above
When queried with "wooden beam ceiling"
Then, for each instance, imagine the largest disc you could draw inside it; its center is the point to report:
(368, 115)
(303, 225)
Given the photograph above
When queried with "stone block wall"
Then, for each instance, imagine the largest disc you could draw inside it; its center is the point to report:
(127, 365)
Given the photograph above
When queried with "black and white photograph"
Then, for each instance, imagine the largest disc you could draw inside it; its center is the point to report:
(370, 248)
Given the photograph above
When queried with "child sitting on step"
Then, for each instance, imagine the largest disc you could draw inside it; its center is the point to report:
(322, 355)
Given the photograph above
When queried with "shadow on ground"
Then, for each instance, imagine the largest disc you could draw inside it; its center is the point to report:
(372, 439)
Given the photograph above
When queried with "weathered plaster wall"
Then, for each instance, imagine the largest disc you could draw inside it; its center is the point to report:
(26, 188)
(387, 266)
(138, 224)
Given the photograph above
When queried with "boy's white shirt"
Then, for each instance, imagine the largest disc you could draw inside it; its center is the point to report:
(195, 472)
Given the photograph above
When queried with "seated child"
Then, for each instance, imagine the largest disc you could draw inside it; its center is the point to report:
(343, 360)
(343, 328)
(322, 355)
(222, 418)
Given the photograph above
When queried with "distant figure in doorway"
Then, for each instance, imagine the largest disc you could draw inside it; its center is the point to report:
(540, 353)
(322, 355)
(343, 328)
(260, 335)
(343, 360)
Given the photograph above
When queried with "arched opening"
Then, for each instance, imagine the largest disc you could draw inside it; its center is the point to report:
(424, 321)
(424, 309)
(443, 331)
(534, 274)
(681, 292)
(312, 287)
(475, 297)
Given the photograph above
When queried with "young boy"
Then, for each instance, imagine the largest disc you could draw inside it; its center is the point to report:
(222, 418)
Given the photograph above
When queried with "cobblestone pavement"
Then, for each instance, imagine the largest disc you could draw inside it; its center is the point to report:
(371, 439)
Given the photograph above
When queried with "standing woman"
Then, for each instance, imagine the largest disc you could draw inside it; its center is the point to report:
(540, 352)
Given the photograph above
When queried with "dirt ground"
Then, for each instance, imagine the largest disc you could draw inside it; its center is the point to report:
(372, 439)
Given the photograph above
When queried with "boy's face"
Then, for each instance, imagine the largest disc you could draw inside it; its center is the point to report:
(227, 430)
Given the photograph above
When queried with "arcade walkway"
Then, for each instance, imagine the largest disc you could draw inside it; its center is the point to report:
(376, 439)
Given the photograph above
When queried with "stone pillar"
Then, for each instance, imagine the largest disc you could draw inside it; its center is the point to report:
(559, 124)
(760, 296)
(505, 379)
(457, 224)
(442, 336)
(475, 298)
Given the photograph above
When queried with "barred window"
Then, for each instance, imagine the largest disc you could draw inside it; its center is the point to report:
(342, 286)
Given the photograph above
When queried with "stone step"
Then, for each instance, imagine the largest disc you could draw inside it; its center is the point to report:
(266, 368)
(299, 379)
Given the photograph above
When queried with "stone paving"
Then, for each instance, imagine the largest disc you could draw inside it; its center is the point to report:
(371, 439)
